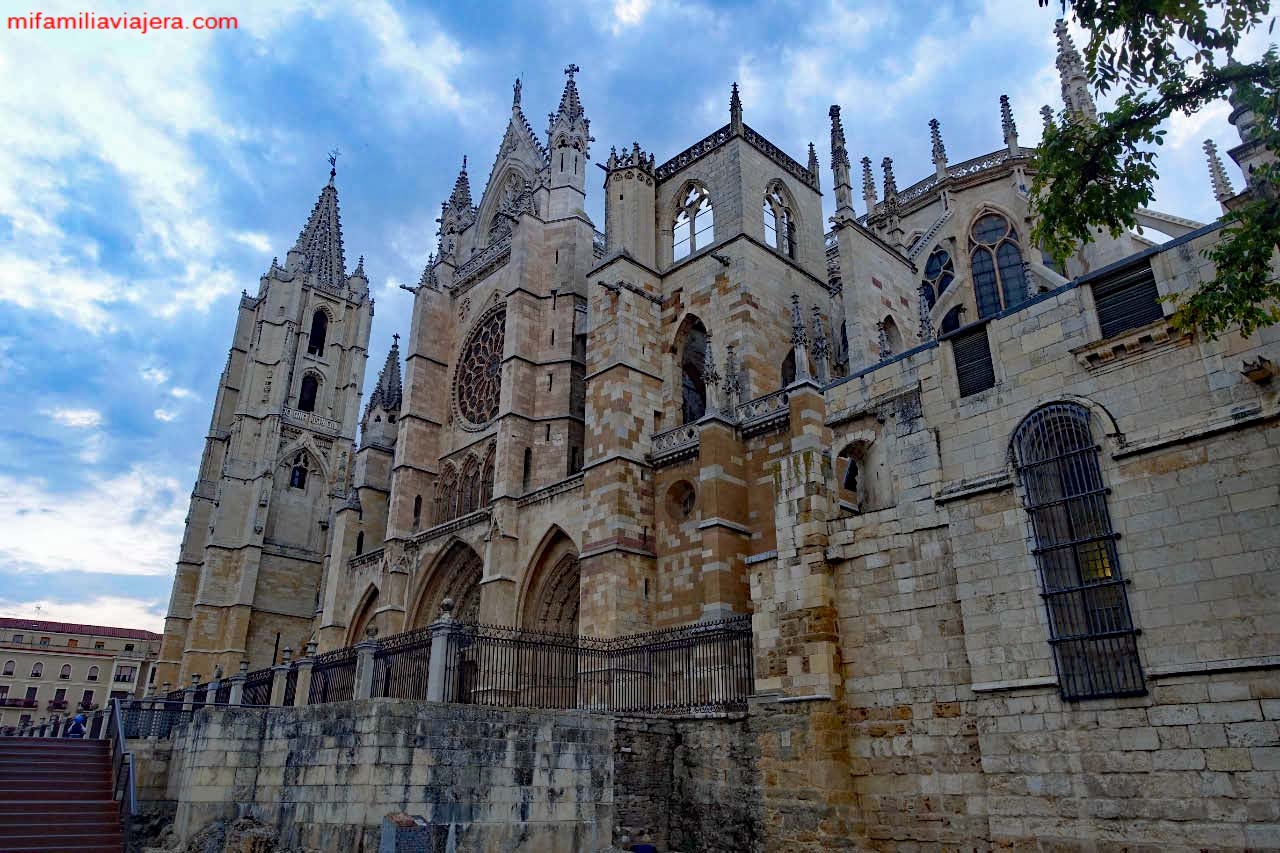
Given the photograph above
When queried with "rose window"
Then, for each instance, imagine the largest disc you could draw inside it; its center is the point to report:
(479, 378)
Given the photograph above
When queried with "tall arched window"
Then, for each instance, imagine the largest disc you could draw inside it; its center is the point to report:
(446, 494)
(892, 337)
(298, 474)
(319, 328)
(693, 391)
(694, 226)
(37, 670)
(93, 673)
(417, 510)
(999, 278)
(779, 223)
(486, 477)
(9, 666)
(307, 395)
(527, 473)
(65, 673)
(1090, 627)
(939, 272)
(359, 543)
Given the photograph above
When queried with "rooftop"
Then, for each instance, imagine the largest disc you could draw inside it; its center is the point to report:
(74, 628)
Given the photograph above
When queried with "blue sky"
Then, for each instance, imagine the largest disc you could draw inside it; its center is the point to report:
(148, 179)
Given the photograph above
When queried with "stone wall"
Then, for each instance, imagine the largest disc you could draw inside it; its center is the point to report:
(325, 776)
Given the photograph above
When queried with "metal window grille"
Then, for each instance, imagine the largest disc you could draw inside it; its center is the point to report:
(1090, 626)
(1127, 301)
(972, 353)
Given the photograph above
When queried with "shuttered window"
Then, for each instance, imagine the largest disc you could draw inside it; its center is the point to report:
(1127, 301)
(972, 353)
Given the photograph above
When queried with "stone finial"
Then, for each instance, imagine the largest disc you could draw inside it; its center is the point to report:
(890, 182)
(868, 185)
(195, 679)
(710, 376)
(839, 153)
(839, 166)
(821, 349)
(515, 94)
(287, 654)
(813, 163)
(939, 150)
(244, 667)
(799, 337)
(735, 109)
(359, 271)
(1222, 189)
(1007, 125)
(371, 632)
(926, 310)
(732, 379)
(446, 606)
(1046, 116)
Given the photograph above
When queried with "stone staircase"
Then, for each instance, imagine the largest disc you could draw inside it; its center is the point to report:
(55, 794)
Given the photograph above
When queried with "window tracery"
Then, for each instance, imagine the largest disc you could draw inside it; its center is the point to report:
(694, 226)
(779, 222)
(999, 277)
(478, 381)
(939, 272)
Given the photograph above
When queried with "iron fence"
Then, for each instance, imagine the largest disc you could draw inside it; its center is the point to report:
(157, 718)
(291, 685)
(400, 665)
(223, 694)
(257, 687)
(703, 666)
(333, 676)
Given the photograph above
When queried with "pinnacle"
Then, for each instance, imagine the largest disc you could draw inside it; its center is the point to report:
(839, 154)
(570, 103)
(320, 241)
(461, 195)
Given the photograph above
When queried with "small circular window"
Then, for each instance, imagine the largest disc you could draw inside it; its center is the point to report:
(681, 500)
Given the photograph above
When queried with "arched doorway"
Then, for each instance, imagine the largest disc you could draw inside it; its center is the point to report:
(362, 616)
(456, 575)
(551, 593)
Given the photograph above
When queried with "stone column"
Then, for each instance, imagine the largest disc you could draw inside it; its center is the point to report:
(365, 650)
(441, 632)
(237, 685)
(302, 695)
(723, 529)
(279, 673)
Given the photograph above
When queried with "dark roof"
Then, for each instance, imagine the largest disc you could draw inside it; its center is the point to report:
(73, 628)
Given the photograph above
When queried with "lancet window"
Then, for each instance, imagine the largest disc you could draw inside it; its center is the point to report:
(999, 277)
(694, 226)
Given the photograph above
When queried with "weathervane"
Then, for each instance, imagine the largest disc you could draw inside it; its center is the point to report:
(333, 162)
(571, 70)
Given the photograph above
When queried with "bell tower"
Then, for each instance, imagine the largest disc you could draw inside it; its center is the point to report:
(568, 138)
(276, 461)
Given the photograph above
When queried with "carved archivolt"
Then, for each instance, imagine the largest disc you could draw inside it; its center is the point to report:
(456, 576)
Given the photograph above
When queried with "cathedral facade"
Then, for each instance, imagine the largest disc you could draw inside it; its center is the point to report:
(987, 511)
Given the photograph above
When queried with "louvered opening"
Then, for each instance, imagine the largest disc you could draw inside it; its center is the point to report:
(972, 353)
(1127, 301)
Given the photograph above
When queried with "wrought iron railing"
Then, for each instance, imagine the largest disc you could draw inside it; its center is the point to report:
(705, 666)
(400, 665)
(257, 687)
(122, 781)
(291, 685)
(151, 718)
(333, 676)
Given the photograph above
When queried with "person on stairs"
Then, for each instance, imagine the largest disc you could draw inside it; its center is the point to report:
(75, 728)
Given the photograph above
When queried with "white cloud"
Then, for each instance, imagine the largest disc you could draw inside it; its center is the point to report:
(165, 415)
(76, 418)
(110, 611)
(629, 13)
(92, 447)
(154, 375)
(182, 393)
(127, 524)
(255, 240)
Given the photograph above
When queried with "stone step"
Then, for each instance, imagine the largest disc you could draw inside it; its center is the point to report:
(104, 841)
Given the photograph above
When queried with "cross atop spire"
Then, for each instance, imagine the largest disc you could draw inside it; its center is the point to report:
(320, 241)
(333, 164)
(570, 70)
(568, 126)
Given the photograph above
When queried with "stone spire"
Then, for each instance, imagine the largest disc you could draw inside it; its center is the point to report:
(890, 182)
(1222, 189)
(1075, 84)
(813, 164)
(1006, 124)
(569, 126)
(319, 248)
(939, 150)
(735, 111)
(460, 198)
(1251, 153)
(840, 165)
(389, 392)
(868, 186)
(428, 279)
